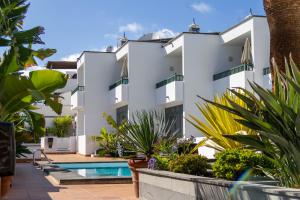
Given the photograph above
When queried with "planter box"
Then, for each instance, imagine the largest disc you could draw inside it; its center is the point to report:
(164, 185)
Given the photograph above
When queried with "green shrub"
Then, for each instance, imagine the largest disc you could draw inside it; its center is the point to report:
(232, 163)
(107, 141)
(62, 126)
(162, 163)
(189, 164)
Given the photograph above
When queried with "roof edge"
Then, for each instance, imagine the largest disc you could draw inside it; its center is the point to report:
(243, 21)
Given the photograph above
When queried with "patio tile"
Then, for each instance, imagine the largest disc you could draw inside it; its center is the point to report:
(30, 184)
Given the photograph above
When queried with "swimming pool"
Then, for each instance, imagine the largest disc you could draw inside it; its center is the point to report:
(117, 169)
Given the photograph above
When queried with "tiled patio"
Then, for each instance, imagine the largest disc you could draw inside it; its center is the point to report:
(30, 184)
(78, 158)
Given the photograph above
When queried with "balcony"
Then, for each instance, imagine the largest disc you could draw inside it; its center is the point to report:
(77, 98)
(235, 77)
(170, 90)
(119, 92)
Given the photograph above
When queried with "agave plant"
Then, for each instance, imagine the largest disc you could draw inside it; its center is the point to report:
(275, 117)
(218, 121)
(146, 130)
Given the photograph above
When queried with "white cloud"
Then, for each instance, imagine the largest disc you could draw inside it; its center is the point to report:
(202, 7)
(131, 27)
(72, 57)
(166, 33)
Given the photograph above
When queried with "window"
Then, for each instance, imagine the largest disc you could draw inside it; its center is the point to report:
(175, 113)
(122, 114)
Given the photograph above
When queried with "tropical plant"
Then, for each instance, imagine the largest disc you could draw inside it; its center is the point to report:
(147, 129)
(275, 117)
(185, 145)
(284, 22)
(232, 164)
(18, 92)
(189, 164)
(107, 141)
(218, 121)
(61, 126)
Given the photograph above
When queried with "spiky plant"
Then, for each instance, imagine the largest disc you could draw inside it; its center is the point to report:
(217, 122)
(147, 129)
(275, 116)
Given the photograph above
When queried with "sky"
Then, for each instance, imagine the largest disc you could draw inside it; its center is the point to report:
(73, 26)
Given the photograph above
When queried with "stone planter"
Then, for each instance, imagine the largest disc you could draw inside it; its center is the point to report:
(162, 185)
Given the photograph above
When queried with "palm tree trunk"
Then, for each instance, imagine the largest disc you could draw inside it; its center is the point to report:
(284, 23)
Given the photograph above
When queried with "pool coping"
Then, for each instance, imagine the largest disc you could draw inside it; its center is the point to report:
(67, 177)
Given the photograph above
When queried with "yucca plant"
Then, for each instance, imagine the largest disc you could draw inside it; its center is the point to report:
(146, 130)
(275, 116)
(218, 121)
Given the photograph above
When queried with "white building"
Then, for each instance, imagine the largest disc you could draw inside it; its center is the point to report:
(65, 93)
(166, 74)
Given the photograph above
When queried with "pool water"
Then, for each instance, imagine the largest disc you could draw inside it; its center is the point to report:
(98, 169)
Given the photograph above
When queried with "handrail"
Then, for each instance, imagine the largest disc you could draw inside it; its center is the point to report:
(234, 70)
(175, 77)
(42, 152)
(78, 88)
(119, 82)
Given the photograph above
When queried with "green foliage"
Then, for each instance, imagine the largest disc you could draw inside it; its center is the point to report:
(17, 92)
(189, 164)
(219, 122)
(107, 142)
(185, 145)
(62, 126)
(162, 163)
(147, 129)
(275, 117)
(232, 163)
(165, 146)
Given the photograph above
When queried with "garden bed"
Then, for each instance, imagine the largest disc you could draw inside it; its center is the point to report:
(164, 185)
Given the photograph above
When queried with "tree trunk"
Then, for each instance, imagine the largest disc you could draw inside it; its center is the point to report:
(284, 23)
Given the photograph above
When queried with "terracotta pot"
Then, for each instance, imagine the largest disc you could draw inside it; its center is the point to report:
(6, 183)
(134, 165)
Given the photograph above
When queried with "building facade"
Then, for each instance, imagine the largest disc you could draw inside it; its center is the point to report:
(166, 75)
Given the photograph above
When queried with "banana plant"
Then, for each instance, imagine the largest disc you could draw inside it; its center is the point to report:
(275, 116)
(18, 92)
(217, 122)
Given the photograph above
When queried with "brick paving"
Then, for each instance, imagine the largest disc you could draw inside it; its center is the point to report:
(29, 183)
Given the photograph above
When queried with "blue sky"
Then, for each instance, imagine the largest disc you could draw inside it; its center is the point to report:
(72, 26)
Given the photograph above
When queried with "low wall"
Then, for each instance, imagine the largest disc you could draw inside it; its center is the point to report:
(59, 145)
(164, 185)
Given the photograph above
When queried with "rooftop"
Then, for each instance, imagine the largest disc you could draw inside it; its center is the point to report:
(61, 65)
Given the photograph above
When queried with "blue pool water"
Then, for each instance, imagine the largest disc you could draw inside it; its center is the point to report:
(98, 169)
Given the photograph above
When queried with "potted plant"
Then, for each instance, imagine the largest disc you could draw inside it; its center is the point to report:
(144, 132)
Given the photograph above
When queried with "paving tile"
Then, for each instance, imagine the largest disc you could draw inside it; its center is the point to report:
(30, 183)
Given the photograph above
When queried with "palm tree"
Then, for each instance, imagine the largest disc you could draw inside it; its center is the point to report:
(284, 23)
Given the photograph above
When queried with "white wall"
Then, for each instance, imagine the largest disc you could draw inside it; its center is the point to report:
(203, 54)
(147, 66)
(98, 73)
(260, 47)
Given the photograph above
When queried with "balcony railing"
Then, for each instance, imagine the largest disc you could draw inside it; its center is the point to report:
(233, 70)
(175, 77)
(266, 70)
(78, 88)
(119, 82)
